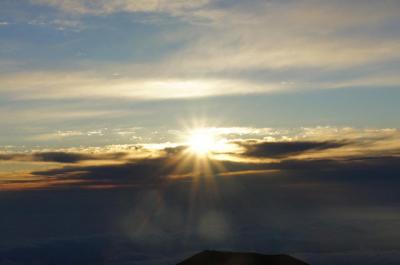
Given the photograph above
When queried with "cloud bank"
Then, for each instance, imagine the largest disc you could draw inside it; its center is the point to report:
(307, 154)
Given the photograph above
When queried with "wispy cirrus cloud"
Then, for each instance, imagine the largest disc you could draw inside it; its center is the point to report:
(99, 7)
(261, 47)
(53, 85)
(60, 85)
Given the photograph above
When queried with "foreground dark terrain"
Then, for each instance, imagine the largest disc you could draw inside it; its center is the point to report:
(239, 258)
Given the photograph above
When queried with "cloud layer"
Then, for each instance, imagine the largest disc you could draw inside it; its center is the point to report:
(320, 150)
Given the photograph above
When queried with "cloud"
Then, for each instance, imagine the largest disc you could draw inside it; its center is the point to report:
(332, 152)
(366, 168)
(60, 157)
(57, 85)
(58, 24)
(334, 35)
(257, 47)
(285, 149)
(174, 167)
(354, 198)
(100, 7)
(140, 172)
(290, 211)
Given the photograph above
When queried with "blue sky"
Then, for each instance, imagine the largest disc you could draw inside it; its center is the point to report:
(283, 63)
(83, 75)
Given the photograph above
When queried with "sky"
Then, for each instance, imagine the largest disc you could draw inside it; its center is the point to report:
(132, 125)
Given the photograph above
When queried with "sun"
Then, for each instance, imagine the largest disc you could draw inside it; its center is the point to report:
(201, 142)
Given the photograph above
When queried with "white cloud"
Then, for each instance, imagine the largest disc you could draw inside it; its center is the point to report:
(99, 7)
(86, 85)
(52, 85)
(285, 34)
(58, 24)
(275, 37)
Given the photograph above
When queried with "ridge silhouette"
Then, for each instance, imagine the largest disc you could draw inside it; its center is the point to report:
(211, 257)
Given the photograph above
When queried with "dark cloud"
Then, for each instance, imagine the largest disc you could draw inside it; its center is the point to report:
(16, 157)
(285, 149)
(354, 169)
(379, 166)
(175, 150)
(145, 171)
(60, 157)
(155, 171)
(142, 171)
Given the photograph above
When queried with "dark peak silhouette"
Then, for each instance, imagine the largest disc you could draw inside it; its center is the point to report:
(210, 257)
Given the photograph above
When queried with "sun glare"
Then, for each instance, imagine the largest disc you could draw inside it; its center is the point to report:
(201, 143)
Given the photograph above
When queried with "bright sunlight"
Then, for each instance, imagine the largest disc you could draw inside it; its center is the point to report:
(201, 142)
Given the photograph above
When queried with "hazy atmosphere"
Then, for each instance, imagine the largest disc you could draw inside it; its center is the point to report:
(144, 131)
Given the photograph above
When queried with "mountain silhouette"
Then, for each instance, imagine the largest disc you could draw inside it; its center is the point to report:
(209, 257)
